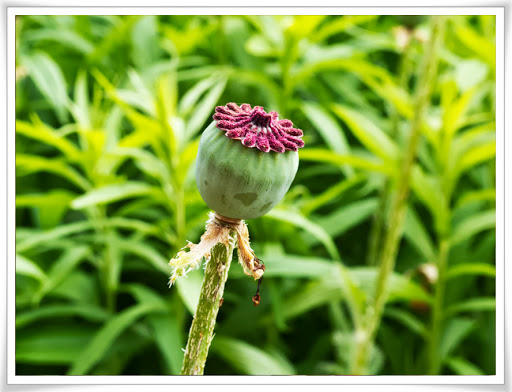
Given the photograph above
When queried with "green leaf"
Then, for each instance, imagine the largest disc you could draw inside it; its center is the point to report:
(373, 138)
(346, 217)
(304, 25)
(323, 155)
(483, 304)
(269, 26)
(166, 328)
(87, 312)
(61, 269)
(472, 225)
(328, 129)
(258, 80)
(327, 126)
(190, 98)
(479, 45)
(331, 194)
(315, 54)
(147, 128)
(45, 237)
(469, 73)
(52, 344)
(146, 161)
(144, 251)
(79, 108)
(28, 164)
(65, 37)
(51, 206)
(79, 287)
(258, 45)
(456, 111)
(50, 81)
(311, 295)
(476, 156)
(143, 294)
(476, 196)
(251, 360)
(53, 234)
(408, 320)
(368, 133)
(339, 25)
(189, 289)
(317, 231)
(428, 189)
(400, 288)
(115, 192)
(106, 336)
(375, 77)
(454, 333)
(168, 335)
(204, 109)
(27, 267)
(294, 266)
(49, 136)
(125, 351)
(471, 269)
(463, 367)
(416, 234)
(143, 37)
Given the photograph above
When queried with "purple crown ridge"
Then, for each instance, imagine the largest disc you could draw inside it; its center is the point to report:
(254, 127)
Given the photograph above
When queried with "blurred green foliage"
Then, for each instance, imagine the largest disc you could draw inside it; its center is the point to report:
(109, 112)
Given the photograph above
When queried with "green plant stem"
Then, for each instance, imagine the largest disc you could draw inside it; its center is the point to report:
(376, 231)
(437, 310)
(287, 60)
(398, 209)
(107, 268)
(180, 214)
(212, 290)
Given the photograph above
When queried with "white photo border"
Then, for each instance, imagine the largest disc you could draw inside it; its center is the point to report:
(499, 378)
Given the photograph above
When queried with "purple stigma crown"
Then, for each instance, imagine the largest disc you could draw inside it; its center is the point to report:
(256, 128)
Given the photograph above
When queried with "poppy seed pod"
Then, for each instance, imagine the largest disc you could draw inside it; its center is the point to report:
(247, 160)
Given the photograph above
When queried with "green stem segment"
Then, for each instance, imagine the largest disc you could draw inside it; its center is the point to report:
(377, 229)
(437, 310)
(398, 210)
(212, 290)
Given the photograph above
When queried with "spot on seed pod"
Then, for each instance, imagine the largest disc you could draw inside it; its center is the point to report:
(266, 206)
(246, 198)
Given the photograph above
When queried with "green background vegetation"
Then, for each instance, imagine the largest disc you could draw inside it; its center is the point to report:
(109, 113)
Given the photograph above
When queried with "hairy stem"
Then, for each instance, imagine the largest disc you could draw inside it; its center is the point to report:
(398, 209)
(212, 290)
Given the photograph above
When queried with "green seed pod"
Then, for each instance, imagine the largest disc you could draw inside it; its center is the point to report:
(247, 160)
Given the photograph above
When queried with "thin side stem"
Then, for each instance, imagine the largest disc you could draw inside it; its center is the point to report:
(378, 227)
(437, 310)
(398, 209)
(212, 290)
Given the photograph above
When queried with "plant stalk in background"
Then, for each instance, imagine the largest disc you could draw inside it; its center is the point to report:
(399, 204)
(379, 218)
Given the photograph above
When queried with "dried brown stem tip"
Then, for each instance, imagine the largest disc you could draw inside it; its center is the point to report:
(218, 229)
